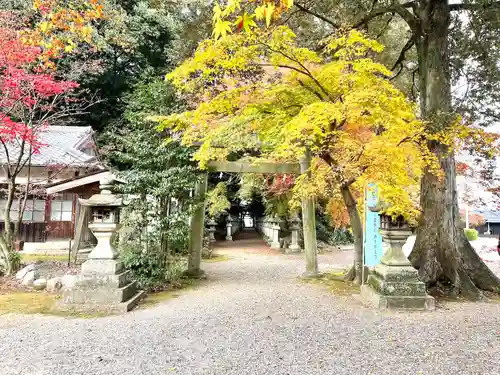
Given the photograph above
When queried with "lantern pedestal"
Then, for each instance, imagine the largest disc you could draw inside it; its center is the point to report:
(394, 284)
(103, 283)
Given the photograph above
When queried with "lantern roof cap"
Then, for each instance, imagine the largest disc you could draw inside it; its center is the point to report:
(105, 198)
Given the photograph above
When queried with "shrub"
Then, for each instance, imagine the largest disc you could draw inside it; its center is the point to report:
(471, 234)
(178, 237)
(330, 235)
(150, 268)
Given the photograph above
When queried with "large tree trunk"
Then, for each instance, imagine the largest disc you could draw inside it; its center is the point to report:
(355, 273)
(442, 254)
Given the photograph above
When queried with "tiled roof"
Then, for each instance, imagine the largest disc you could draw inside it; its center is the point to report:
(62, 145)
(490, 216)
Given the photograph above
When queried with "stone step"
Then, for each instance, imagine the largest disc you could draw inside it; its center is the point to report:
(128, 291)
(132, 302)
(93, 307)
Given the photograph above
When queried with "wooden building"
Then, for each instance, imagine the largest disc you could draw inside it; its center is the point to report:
(68, 153)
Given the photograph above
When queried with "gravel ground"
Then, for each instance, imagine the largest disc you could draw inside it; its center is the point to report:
(254, 317)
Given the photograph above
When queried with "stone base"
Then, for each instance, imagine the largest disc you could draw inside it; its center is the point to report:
(396, 287)
(103, 307)
(194, 274)
(293, 250)
(275, 245)
(103, 285)
(311, 275)
(372, 298)
(229, 238)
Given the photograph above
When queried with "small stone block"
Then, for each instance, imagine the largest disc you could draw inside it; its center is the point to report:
(102, 267)
(108, 280)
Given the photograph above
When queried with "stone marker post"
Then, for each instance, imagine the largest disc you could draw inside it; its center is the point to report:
(197, 231)
(394, 284)
(309, 223)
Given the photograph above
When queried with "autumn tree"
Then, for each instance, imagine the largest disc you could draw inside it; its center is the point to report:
(261, 94)
(31, 98)
(449, 41)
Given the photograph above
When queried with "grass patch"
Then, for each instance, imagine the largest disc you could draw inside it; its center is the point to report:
(334, 282)
(27, 303)
(216, 259)
(153, 299)
(33, 258)
(44, 303)
(39, 303)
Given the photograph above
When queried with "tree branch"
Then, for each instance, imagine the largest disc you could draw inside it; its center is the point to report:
(318, 16)
(304, 70)
(410, 43)
(310, 89)
(352, 180)
(385, 26)
(400, 9)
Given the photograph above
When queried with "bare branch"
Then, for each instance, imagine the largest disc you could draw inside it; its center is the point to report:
(389, 20)
(400, 9)
(402, 56)
(285, 21)
(334, 24)
(7, 155)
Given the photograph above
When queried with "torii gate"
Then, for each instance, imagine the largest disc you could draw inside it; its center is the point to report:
(308, 210)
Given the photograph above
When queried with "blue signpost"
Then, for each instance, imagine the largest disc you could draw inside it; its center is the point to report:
(372, 240)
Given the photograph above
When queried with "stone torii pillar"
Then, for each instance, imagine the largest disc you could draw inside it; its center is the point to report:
(197, 231)
(309, 223)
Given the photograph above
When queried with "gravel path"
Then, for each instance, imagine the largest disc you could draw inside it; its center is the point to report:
(254, 317)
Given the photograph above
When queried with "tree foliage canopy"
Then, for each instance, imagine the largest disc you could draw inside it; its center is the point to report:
(260, 92)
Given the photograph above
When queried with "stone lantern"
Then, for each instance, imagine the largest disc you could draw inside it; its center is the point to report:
(211, 230)
(295, 227)
(229, 228)
(103, 284)
(394, 283)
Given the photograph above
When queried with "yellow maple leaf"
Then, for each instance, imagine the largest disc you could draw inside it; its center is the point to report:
(221, 28)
